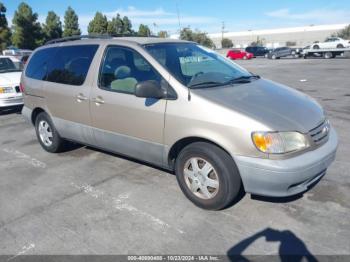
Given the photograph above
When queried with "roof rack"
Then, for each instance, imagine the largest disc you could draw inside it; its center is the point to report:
(91, 36)
(77, 37)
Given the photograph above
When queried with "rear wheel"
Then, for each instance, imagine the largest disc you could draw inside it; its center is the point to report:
(207, 175)
(244, 57)
(316, 47)
(340, 46)
(47, 134)
(273, 57)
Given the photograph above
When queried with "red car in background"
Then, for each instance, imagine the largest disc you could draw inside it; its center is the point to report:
(239, 54)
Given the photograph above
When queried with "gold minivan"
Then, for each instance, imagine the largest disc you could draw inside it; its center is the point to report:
(180, 106)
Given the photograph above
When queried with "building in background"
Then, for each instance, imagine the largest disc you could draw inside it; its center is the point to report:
(292, 36)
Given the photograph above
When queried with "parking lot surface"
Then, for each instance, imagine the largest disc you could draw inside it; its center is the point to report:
(86, 201)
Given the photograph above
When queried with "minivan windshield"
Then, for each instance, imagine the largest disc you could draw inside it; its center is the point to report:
(6, 65)
(196, 66)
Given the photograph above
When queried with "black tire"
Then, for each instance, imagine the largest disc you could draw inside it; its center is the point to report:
(58, 143)
(316, 47)
(328, 55)
(225, 168)
(340, 46)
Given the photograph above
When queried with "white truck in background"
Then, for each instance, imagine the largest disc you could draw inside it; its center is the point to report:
(332, 47)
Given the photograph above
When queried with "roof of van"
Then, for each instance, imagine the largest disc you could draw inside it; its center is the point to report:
(135, 40)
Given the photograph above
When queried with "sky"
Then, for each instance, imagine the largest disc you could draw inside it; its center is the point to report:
(205, 15)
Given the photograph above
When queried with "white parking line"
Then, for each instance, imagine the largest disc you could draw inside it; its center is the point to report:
(24, 250)
(20, 155)
(120, 203)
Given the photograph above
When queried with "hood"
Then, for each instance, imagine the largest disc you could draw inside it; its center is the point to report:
(277, 106)
(11, 78)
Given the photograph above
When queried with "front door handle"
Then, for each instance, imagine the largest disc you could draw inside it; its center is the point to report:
(80, 98)
(98, 100)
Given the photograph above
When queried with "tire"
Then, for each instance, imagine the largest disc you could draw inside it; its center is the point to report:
(316, 47)
(244, 58)
(53, 144)
(328, 55)
(274, 57)
(224, 171)
(340, 46)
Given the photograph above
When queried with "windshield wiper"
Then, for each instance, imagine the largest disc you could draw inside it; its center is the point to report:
(242, 79)
(206, 84)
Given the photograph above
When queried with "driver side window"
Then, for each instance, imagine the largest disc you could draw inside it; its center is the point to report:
(123, 68)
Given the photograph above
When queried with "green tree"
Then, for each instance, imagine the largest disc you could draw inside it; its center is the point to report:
(98, 25)
(344, 33)
(196, 36)
(5, 33)
(127, 26)
(52, 28)
(71, 23)
(115, 26)
(226, 43)
(163, 34)
(27, 32)
(144, 30)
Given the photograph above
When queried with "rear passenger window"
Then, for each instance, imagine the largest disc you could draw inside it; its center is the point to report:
(123, 68)
(71, 64)
(37, 67)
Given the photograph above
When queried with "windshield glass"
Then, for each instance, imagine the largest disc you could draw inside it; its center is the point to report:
(6, 65)
(196, 66)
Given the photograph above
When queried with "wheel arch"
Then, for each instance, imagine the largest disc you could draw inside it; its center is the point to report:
(176, 148)
(35, 113)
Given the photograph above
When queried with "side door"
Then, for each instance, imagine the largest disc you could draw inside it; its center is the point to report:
(67, 90)
(122, 122)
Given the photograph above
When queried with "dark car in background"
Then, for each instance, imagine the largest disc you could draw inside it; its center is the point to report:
(279, 52)
(257, 50)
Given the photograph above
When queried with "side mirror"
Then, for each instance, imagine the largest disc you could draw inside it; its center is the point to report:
(149, 89)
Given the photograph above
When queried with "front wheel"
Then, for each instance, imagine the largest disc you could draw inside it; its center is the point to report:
(207, 175)
(340, 46)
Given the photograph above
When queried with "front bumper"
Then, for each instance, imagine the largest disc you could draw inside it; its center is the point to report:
(14, 99)
(280, 178)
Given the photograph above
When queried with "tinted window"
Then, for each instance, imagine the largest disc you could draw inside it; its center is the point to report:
(71, 64)
(37, 67)
(123, 68)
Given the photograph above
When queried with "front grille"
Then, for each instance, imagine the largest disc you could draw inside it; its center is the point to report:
(320, 133)
(17, 89)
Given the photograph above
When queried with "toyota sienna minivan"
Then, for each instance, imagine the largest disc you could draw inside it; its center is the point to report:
(182, 107)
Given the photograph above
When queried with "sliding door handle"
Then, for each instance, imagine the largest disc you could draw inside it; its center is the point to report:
(98, 100)
(80, 98)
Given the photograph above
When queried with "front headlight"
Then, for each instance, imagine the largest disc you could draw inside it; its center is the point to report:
(279, 142)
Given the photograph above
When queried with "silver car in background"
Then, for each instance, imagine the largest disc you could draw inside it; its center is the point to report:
(180, 106)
